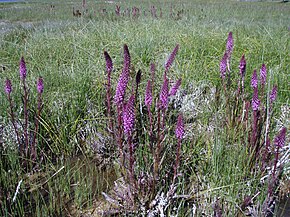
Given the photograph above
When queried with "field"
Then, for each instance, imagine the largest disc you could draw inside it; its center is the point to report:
(97, 124)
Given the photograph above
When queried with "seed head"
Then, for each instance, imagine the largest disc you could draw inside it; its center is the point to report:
(163, 97)
(179, 130)
(22, 69)
(280, 138)
(273, 94)
(8, 86)
(40, 85)
(255, 100)
(129, 116)
(242, 66)
(254, 80)
(171, 58)
(148, 94)
(175, 87)
(263, 74)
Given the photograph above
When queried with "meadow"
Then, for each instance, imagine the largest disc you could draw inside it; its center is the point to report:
(144, 108)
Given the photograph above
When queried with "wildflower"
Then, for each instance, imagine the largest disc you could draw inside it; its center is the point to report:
(8, 86)
(179, 131)
(263, 74)
(273, 94)
(230, 44)
(223, 66)
(175, 87)
(255, 100)
(129, 116)
(148, 94)
(254, 80)
(242, 66)
(280, 138)
(22, 69)
(163, 97)
(171, 58)
(124, 78)
(40, 85)
(109, 63)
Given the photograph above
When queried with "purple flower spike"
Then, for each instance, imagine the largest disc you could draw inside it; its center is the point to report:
(255, 100)
(171, 58)
(163, 97)
(263, 74)
(129, 116)
(124, 78)
(254, 80)
(223, 66)
(175, 87)
(230, 44)
(148, 94)
(179, 130)
(40, 85)
(109, 63)
(121, 88)
(242, 66)
(273, 94)
(280, 138)
(22, 68)
(8, 86)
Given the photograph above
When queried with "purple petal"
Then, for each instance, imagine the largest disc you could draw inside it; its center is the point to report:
(129, 116)
(171, 58)
(175, 87)
(242, 66)
(280, 138)
(8, 86)
(40, 85)
(263, 74)
(22, 68)
(254, 80)
(255, 100)
(179, 130)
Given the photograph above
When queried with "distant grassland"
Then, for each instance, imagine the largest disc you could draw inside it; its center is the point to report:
(58, 45)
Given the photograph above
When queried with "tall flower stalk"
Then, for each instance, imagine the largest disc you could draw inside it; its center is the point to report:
(109, 69)
(279, 143)
(171, 58)
(40, 87)
(23, 73)
(119, 97)
(179, 133)
(129, 121)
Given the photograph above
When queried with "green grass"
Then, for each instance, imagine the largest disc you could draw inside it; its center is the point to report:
(68, 53)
